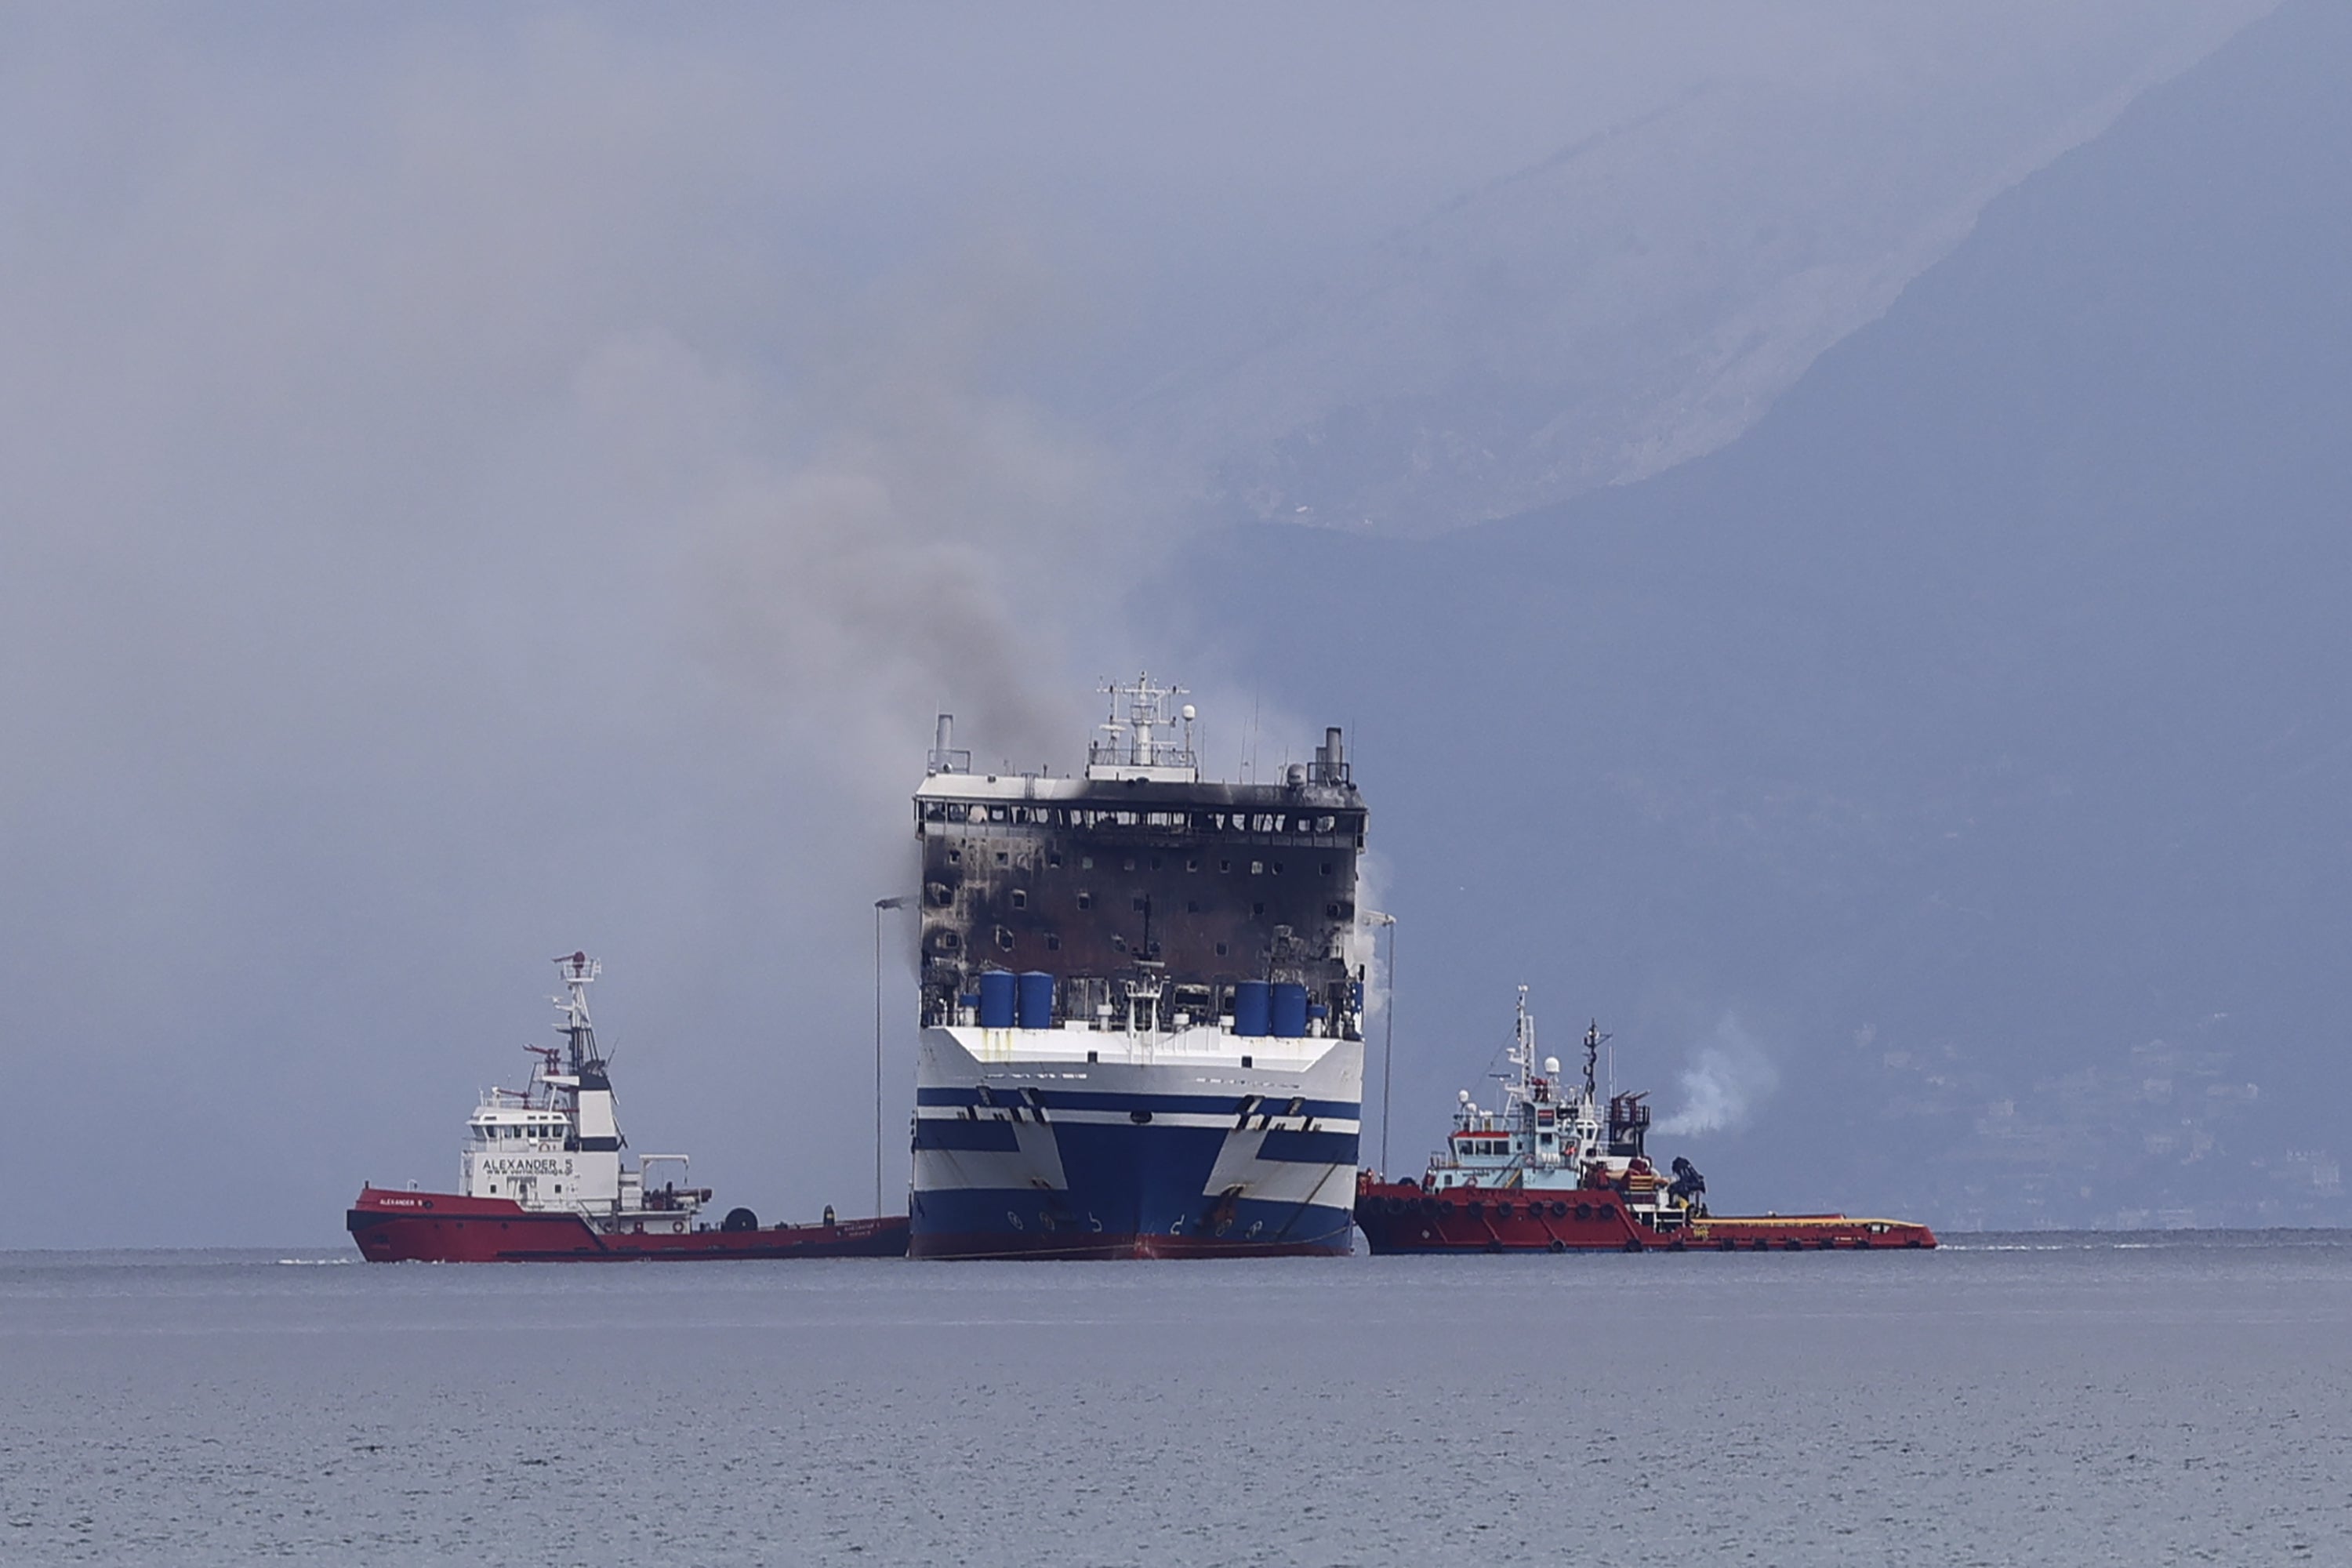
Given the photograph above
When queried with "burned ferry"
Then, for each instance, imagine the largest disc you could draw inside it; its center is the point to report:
(1141, 997)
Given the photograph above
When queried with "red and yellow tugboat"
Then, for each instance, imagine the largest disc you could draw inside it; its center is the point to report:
(543, 1179)
(1550, 1172)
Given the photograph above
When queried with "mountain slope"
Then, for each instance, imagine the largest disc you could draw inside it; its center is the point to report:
(1953, 770)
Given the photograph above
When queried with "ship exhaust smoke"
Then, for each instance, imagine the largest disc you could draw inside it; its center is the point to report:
(1729, 1076)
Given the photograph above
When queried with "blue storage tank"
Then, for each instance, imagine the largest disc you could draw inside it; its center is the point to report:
(1251, 1009)
(996, 999)
(1289, 1010)
(1035, 1000)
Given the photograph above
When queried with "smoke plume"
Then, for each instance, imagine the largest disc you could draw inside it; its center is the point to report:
(1728, 1077)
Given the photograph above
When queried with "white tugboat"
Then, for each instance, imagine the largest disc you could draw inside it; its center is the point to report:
(544, 1176)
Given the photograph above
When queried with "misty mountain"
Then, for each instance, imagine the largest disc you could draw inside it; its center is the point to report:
(1639, 296)
(1947, 780)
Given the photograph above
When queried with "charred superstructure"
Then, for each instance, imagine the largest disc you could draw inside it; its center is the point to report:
(1141, 887)
(1143, 997)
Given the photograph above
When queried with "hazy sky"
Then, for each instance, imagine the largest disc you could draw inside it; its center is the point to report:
(477, 483)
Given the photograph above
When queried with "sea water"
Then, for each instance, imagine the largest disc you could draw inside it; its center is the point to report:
(2045, 1399)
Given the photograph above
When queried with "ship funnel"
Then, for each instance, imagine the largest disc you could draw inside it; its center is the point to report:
(945, 758)
(1331, 759)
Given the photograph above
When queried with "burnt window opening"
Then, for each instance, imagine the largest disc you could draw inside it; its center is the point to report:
(942, 894)
(1119, 942)
(1004, 939)
(955, 856)
(1220, 949)
(1052, 943)
(1021, 899)
(1257, 909)
(1052, 861)
(1004, 858)
(1224, 865)
(1191, 906)
(950, 941)
(1191, 862)
(1085, 901)
(1330, 909)
(1152, 951)
(1277, 865)
(1137, 904)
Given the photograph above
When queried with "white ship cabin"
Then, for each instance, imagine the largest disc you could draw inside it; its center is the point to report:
(1535, 1141)
(556, 1144)
(1551, 1136)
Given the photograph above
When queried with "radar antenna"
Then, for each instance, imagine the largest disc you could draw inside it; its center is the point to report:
(1594, 1040)
(579, 971)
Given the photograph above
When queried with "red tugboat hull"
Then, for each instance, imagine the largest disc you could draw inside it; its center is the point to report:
(1401, 1217)
(444, 1227)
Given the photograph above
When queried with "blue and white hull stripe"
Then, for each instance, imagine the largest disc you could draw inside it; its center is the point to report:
(1012, 1155)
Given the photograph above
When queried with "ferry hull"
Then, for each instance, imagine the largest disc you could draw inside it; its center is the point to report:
(1050, 1157)
(1401, 1217)
(445, 1227)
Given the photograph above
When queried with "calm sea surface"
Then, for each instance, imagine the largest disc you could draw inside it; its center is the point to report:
(2047, 1399)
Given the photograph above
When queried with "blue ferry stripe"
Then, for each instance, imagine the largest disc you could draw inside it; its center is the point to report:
(1316, 1148)
(1273, 1104)
(955, 1133)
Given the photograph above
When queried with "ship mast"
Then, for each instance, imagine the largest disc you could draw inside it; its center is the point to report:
(579, 971)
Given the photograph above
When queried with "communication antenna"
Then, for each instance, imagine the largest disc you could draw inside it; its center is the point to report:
(1594, 1040)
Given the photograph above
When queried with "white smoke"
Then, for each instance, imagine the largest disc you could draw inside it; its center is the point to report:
(1728, 1077)
(1367, 943)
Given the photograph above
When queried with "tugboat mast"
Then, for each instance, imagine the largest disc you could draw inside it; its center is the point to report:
(579, 971)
